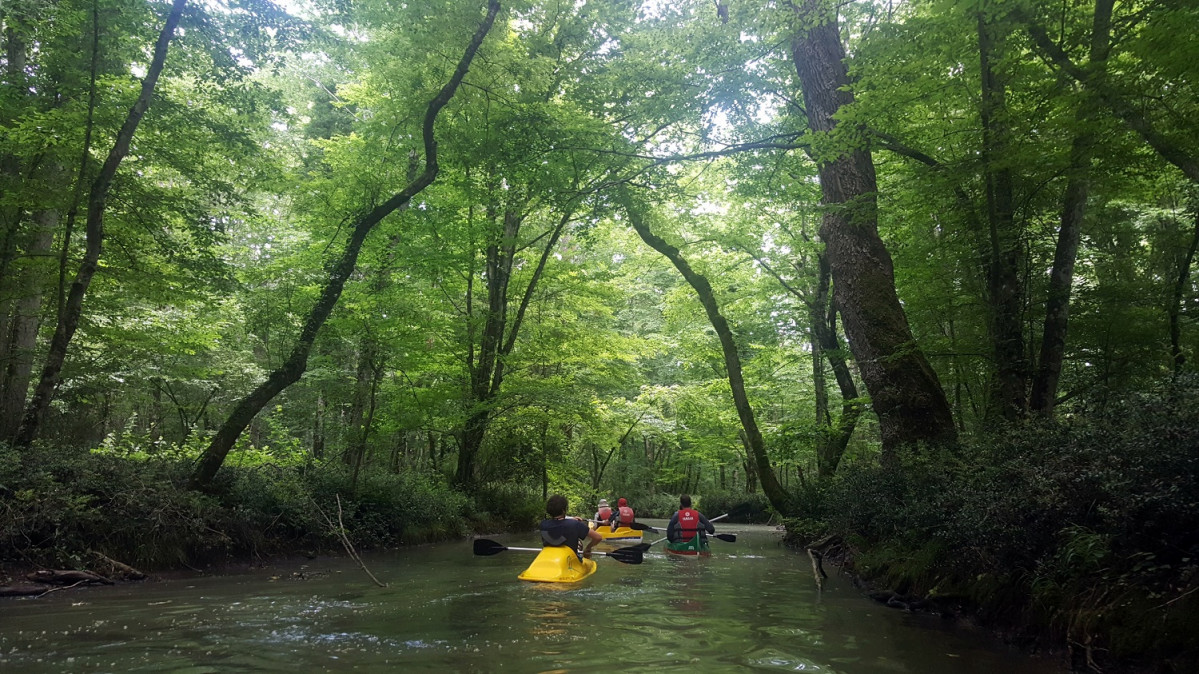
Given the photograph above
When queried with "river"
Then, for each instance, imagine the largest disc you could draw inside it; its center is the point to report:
(752, 606)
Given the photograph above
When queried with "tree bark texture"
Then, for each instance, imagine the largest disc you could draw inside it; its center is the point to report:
(293, 368)
(903, 387)
(779, 499)
(835, 437)
(21, 340)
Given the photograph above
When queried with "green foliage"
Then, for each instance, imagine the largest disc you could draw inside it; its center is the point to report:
(57, 506)
(745, 508)
(661, 506)
(268, 133)
(1080, 524)
(508, 505)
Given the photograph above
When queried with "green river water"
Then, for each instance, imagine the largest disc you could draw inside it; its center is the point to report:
(752, 606)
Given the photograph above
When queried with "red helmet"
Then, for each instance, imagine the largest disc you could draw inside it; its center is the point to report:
(622, 503)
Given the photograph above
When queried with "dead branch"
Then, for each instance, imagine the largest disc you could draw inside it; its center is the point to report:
(817, 569)
(340, 530)
(124, 570)
(63, 587)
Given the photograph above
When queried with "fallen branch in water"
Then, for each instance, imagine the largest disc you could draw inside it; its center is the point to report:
(817, 569)
(127, 572)
(63, 587)
(340, 530)
(816, 553)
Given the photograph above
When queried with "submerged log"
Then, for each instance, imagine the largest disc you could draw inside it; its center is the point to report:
(22, 589)
(66, 577)
(118, 569)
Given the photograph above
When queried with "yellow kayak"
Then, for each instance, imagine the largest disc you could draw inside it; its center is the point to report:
(558, 564)
(622, 535)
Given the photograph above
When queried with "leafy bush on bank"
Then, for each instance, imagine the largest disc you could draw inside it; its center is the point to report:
(1086, 529)
(58, 505)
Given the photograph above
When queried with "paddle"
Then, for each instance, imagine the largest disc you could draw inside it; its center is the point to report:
(486, 547)
(644, 547)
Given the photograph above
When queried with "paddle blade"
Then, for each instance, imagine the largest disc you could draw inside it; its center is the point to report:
(629, 555)
(727, 538)
(637, 526)
(485, 547)
(643, 547)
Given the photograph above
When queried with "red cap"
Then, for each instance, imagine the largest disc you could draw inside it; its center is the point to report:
(622, 503)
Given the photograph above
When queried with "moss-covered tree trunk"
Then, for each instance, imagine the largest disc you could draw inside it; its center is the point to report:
(903, 387)
(779, 498)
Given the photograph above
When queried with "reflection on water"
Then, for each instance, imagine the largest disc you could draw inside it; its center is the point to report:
(751, 606)
(549, 618)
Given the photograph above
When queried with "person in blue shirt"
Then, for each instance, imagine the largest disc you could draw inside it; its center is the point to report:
(558, 529)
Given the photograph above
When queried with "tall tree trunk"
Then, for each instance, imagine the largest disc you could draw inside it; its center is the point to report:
(318, 426)
(24, 324)
(903, 387)
(834, 437)
(68, 319)
(486, 374)
(1181, 283)
(361, 440)
(498, 338)
(366, 375)
(16, 53)
(778, 497)
(1074, 205)
(1003, 273)
(291, 370)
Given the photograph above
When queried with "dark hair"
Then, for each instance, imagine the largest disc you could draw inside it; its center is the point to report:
(685, 501)
(556, 506)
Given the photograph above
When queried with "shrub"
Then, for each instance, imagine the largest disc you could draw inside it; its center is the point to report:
(1086, 527)
(59, 505)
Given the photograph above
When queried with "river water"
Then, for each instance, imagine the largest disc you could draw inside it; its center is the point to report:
(752, 606)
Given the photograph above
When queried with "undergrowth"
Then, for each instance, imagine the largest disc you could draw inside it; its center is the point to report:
(1085, 530)
(58, 506)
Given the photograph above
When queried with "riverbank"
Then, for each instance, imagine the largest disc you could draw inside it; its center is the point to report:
(66, 510)
(1082, 537)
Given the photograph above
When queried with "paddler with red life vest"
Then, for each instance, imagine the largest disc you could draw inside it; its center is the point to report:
(622, 516)
(687, 523)
(604, 513)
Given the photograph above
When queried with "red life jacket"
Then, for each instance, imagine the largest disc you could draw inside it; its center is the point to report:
(688, 523)
(626, 516)
(604, 514)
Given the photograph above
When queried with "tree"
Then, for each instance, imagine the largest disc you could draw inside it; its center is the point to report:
(728, 344)
(904, 389)
(70, 310)
(291, 370)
